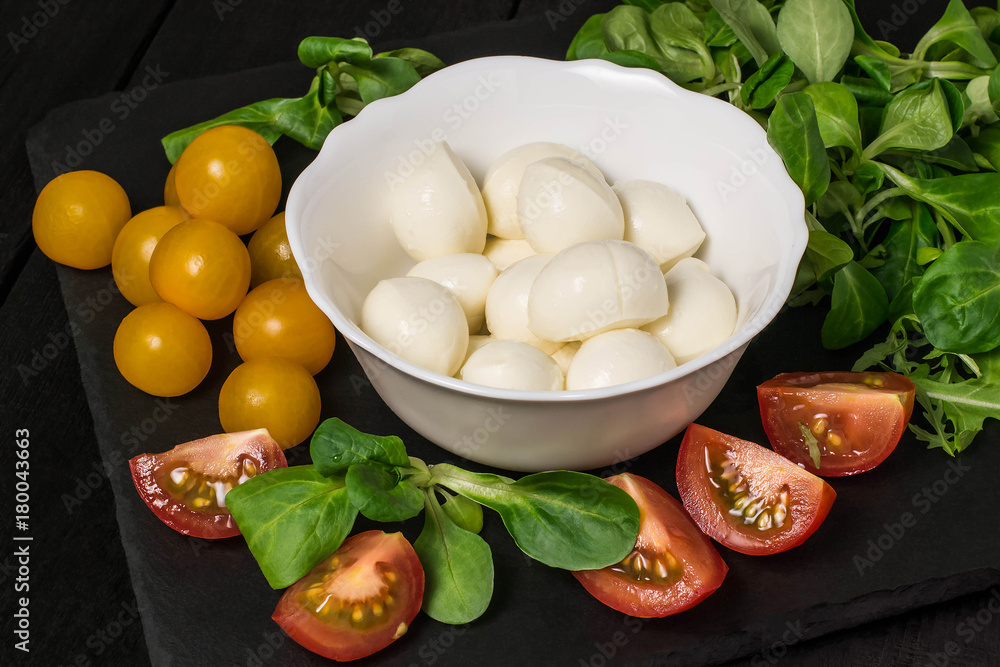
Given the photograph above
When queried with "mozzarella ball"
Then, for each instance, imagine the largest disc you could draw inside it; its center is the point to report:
(510, 364)
(468, 276)
(560, 203)
(507, 303)
(616, 357)
(702, 312)
(504, 177)
(475, 342)
(594, 287)
(504, 252)
(564, 355)
(659, 221)
(437, 209)
(419, 320)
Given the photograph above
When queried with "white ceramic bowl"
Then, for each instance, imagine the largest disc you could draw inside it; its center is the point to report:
(633, 124)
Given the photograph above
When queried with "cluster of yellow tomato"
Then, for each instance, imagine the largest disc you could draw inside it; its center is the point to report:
(185, 262)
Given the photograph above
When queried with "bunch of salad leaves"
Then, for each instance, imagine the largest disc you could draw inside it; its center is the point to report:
(293, 518)
(348, 77)
(896, 154)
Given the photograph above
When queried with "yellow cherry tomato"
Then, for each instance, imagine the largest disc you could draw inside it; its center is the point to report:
(275, 394)
(278, 319)
(202, 268)
(78, 216)
(134, 247)
(162, 350)
(229, 174)
(270, 254)
(170, 188)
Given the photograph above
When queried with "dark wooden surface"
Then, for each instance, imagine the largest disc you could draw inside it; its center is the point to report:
(82, 604)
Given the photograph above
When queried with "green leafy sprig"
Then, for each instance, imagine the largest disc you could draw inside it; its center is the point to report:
(293, 518)
(348, 77)
(897, 156)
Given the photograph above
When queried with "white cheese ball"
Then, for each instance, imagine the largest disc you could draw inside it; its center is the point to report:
(475, 342)
(504, 178)
(659, 221)
(616, 357)
(504, 252)
(510, 364)
(507, 303)
(702, 312)
(594, 287)
(564, 355)
(418, 320)
(468, 276)
(560, 203)
(438, 210)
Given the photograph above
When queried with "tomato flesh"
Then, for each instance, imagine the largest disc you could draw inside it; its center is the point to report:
(836, 424)
(186, 487)
(673, 566)
(358, 601)
(745, 496)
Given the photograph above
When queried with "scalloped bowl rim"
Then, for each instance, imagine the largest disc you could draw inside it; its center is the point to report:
(373, 116)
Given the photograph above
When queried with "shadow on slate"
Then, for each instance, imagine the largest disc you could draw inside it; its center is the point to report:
(206, 602)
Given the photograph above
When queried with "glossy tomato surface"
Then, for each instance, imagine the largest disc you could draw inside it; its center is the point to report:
(271, 393)
(202, 268)
(673, 566)
(271, 254)
(186, 487)
(836, 423)
(77, 218)
(162, 350)
(745, 496)
(133, 248)
(278, 319)
(229, 174)
(357, 601)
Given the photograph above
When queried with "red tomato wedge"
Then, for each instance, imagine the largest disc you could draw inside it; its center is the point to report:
(836, 424)
(186, 487)
(745, 496)
(673, 566)
(357, 601)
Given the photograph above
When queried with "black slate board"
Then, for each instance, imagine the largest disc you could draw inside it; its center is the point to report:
(207, 603)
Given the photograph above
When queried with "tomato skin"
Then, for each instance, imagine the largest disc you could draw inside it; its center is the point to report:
(77, 217)
(271, 254)
(229, 174)
(664, 527)
(202, 268)
(220, 456)
(864, 414)
(338, 641)
(809, 497)
(170, 188)
(271, 393)
(162, 350)
(133, 248)
(278, 319)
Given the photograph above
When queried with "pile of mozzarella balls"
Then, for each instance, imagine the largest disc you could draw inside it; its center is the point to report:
(548, 278)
